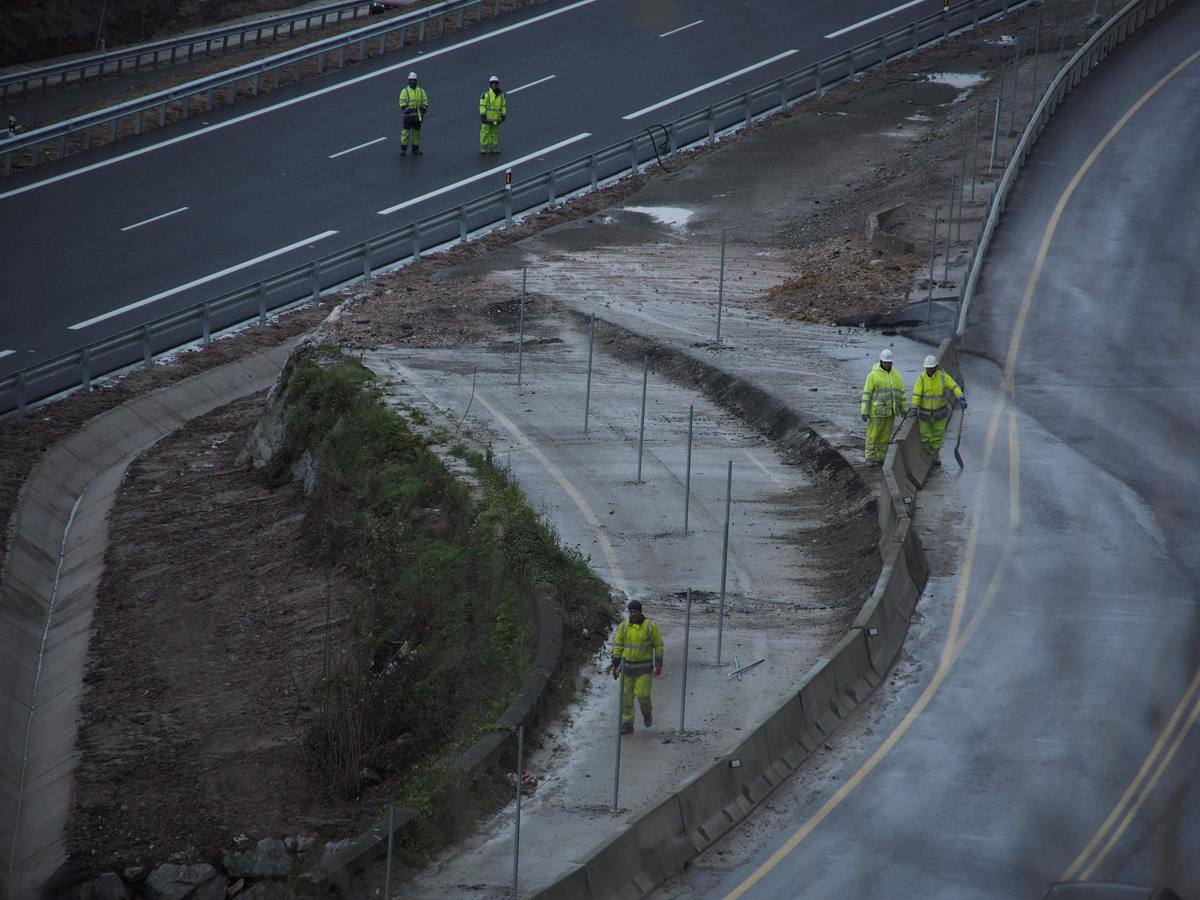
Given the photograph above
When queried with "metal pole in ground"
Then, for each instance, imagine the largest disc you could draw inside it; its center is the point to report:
(1062, 31)
(521, 331)
(617, 765)
(1037, 48)
(387, 875)
(1016, 67)
(687, 478)
(687, 640)
(517, 837)
(949, 226)
(721, 288)
(642, 426)
(962, 183)
(724, 561)
(932, 255)
(587, 396)
(975, 154)
(996, 118)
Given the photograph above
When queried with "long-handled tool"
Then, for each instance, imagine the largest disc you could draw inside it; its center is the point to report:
(958, 456)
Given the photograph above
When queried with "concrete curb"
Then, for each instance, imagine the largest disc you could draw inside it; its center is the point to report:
(346, 870)
(47, 596)
(663, 838)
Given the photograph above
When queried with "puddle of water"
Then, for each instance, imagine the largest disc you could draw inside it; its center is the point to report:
(960, 80)
(1003, 40)
(675, 216)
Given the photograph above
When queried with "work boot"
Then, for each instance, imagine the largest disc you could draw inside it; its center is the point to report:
(403, 149)
(626, 728)
(937, 463)
(416, 150)
(647, 718)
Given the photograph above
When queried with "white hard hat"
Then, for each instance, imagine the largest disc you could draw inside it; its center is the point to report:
(930, 362)
(412, 76)
(495, 78)
(885, 355)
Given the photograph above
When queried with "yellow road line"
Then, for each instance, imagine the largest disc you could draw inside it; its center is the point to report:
(606, 547)
(954, 645)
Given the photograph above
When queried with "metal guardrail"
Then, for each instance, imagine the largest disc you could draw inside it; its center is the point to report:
(1127, 20)
(141, 344)
(181, 48)
(114, 123)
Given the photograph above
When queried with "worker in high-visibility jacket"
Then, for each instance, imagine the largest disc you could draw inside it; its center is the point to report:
(493, 109)
(639, 645)
(414, 104)
(883, 398)
(934, 395)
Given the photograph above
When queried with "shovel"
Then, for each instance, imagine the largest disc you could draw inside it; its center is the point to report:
(958, 456)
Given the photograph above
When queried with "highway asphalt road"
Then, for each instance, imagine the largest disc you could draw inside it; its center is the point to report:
(1042, 724)
(105, 241)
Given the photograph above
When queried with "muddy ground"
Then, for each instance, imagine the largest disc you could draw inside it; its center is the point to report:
(216, 723)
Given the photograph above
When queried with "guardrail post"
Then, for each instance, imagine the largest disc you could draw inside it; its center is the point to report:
(62, 145)
(882, 50)
(551, 187)
(416, 240)
(974, 14)
(211, 91)
(20, 393)
(783, 94)
(257, 83)
(421, 32)
(366, 252)
(205, 323)
(817, 76)
(8, 163)
(712, 125)
(850, 62)
(316, 279)
(672, 143)
(945, 22)
(496, 10)
(162, 115)
(462, 223)
(147, 356)
(342, 57)
(916, 34)
(749, 110)
(85, 367)
(594, 170)
(508, 205)
(633, 160)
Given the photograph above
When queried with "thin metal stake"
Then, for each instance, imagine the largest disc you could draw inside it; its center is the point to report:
(687, 478)
(962, 183)
(949, 226)
(1062, 31)
(587, 396)
(617, 764)
(687, 641)
(517, 838)
(1016, 67)
(387, 875)
(724, 561)
(932, 254)
(521, 332)
(721, 288)
(642, 426)
(1037, 48)
(996, 119)
(975, 154)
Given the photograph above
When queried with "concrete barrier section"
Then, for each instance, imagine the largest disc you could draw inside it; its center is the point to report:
(853, 677)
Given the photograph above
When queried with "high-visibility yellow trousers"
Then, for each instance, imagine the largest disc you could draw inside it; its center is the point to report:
(636, 686)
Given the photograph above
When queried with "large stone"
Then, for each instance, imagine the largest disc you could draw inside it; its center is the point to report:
(108, 886)
(195, 882)
(269, 859)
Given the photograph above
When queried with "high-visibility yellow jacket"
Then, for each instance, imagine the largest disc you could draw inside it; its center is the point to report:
(640, 645)
(932, 395)
(414, 99)
(883, 394)
(494, 105)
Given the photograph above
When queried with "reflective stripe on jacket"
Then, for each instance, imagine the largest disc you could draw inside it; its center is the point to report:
(414, 98)
(494, 105)
(932, 394)
(639, 645)
(883, 394)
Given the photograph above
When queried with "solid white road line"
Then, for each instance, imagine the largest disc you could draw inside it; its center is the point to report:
(207, 278)
(882, 15)
(4, 353)
(680, 28)
(154, 219)
(707, 85)
(531, 84)
(508, 165)
(359, 147)
(406, 64)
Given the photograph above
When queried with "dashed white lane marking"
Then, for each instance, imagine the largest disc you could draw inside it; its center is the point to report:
(387, 70)
(4, 353)
(207, 278)
(532, 83)
(680, 28)
(709, 84)
(154, 219)
(358, 147)
(507, 165)
(882, 15)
